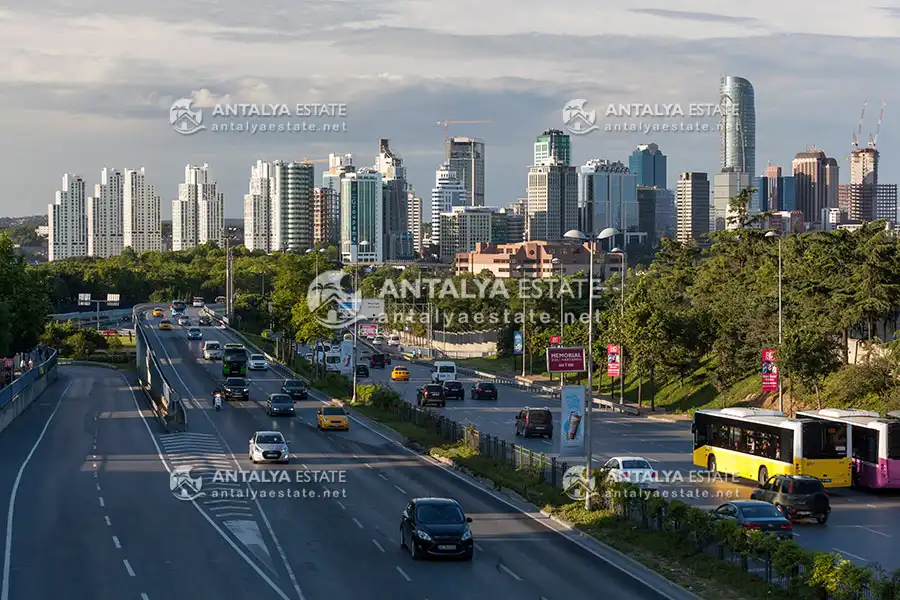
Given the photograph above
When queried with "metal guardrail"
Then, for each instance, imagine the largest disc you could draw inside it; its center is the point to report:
(19, 394)
(166, 402)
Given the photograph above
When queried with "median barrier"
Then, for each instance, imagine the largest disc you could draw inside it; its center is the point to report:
(18, 395)
(165, 402)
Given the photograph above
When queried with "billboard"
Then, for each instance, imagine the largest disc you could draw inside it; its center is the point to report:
(347, 357)
(612, 360)
(571, 421)
(566, 360)
(369, 329)
(555, 340)
(769, 371)
(518, 342)
(366, 308)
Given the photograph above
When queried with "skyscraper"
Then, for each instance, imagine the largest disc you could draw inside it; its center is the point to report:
(726, 186)
(291, 210)
(198, 215)
(67, 220)
(142, 226)
(362, 220)
(184, 219)
(812, 171)
(865, 199)
(738, 125)
(607, 197)
(257, 208)
(832, 181)
(648, 163)
(692, 207)
(466, 157)
(448, 192)
(770, 189)
(326, 216)
(414, 218)
(394, 195)
(552, 148)
(104, 216)
(552, 202)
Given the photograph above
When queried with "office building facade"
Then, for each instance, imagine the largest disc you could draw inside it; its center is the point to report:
(648, 163)
(362, 219)
(105, 237)
(67, 220)
(448, 192)
(552, 148)
(814, 175)
(466, 158)
(725, 187)
(607, 197)
(552, 202)
(692, 207)
(394, 195)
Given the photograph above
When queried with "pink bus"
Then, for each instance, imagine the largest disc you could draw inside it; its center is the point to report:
(873, 443)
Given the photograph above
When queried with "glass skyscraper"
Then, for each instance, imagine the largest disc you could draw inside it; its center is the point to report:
(649, 164)
(738, 126)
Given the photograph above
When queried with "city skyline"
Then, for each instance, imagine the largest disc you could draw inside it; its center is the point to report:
(115, 111)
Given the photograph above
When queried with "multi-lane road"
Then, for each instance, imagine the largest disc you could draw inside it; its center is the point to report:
(348, 545)
(863, 527)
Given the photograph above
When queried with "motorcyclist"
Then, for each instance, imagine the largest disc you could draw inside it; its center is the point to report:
(217, 398)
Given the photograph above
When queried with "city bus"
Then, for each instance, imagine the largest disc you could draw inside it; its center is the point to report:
(756, 444)
(873, 445)
(178, 306)
(234, 360)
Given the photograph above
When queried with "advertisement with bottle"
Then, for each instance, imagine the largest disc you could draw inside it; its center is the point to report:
(347, 357)
(571, 439)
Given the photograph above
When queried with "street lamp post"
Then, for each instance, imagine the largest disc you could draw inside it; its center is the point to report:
(316, 345)
(521, 270)
(623, 269)
(772, 234)
(562, 318)
(356, 316)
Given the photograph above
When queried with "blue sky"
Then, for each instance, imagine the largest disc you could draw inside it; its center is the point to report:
(89, 84)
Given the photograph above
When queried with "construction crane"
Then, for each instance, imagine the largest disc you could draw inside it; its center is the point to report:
(314, 160)
(858, 134)
(873, 143)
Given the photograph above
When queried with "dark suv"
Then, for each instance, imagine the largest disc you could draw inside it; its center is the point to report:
(432, 393)
(484, 390)
(279, 404)
(535, 421)
(236, 388)
(295, 389)
(377, 361)
(454, 389)
(796, 496)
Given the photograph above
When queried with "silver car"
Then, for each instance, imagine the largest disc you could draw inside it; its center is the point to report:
(184, 321)
(269, 446)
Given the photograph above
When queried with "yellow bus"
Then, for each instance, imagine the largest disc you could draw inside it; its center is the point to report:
(756, 444)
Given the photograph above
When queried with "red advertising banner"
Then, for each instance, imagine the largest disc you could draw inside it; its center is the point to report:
(369, 329)
(769, 371)
(566, 360)
(612, 360)
(555, 340)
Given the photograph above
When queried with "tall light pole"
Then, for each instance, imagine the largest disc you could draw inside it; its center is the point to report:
(358, 299)
(316, 345)
(606, 234)
(521, 270)
(774, 234)
(229, 274)
(588, 463)
(562, 318)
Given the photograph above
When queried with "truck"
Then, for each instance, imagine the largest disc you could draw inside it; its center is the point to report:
(234, 360)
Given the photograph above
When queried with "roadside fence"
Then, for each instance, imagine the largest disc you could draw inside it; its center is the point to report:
(22, 391)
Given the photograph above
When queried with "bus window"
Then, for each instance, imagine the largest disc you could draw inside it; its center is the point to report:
(823, 439)
(893, 441)
(701, 435)
(865, 444)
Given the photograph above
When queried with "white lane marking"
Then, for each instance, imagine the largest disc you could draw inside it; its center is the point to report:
(838, 550)
(341, 504)
(377, 545)
(128, 567)
(403, 574)
(400, 489)
(368, 465)
(876, 532)
(382, 475)
(116, 542)
(234, 546)
(144, 596)
(97, 485)
(478, 547)
(358, 524)
(506, 570)
(108, 523)
(871, 506)
(10, 513)
(102, 504)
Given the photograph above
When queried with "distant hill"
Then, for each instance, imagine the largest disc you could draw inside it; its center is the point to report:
(33, 221)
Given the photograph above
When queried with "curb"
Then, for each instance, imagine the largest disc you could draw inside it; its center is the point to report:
(663, 419)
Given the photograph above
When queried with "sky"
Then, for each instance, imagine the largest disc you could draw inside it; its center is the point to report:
(89, 84)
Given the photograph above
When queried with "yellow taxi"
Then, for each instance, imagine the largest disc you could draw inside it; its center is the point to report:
(157, 313)
(400, 374)
(332, 417)
(165, 325)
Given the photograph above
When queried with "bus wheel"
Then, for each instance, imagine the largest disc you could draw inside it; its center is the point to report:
(763, 475)
(711, 464)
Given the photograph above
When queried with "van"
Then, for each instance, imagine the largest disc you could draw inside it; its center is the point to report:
(394, 340)
(535, 422)
(443, 371)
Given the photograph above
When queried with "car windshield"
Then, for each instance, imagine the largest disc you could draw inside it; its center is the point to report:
(236, 381)
(334, 411)
(194, 330)
(293, 385)
(165, 322)
(806, 486)
(213, 346)
(761, 511)
(257, 357)
(281, 399)
(636, 464)
(440, 514)
(447, 370)
(269, 438)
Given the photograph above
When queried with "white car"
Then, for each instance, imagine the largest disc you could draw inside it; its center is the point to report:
(394, 340)
(378, 340)
(257, 362)
(269, 446)
(212, 350)
(635, 470)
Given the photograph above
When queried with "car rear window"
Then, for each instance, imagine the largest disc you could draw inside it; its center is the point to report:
(434, 389)
(636, 464)
(236, 381)
(453, 385)
(488, 387)
(540, 416)
(806, 486)
(761, 511)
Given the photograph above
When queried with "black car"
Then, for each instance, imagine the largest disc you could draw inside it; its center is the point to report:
(377, 361)
(535, 421)
(432, 393)
(454, 389)
(484, 390)
(436, 527)
(279, 404)
(753, 514)
(796, 496)
(236, 387)
(362, 371)
(295, 389)
(205, 321)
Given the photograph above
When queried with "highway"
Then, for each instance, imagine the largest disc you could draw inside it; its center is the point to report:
(863, 526)
(91, 513)
(348, 545)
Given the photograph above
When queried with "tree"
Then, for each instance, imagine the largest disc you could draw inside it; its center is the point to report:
(811, 353)
(25, 297)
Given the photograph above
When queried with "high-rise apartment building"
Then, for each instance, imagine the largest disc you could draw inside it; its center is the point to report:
(648, 163)
(142, 226)
(362, 221)
(607, 197)
(394, 196)
(737, 135)
(414, 218)
(104, 216)
(465, 227)
(257, 208)
(552, 148)
(770, 190)
(552, 203)
(198, 215)
(466, 158)
(326, 216)
(692, 207)
(291, 210)
(448, 192)
(814, 175)
(338, 166)
(184, 220)
(725, 187)
(832, 181)
(67, 220)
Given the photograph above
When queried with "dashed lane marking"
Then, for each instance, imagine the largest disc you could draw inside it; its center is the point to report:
(128, 567)
(358, 524)
(506, 570)
(377, 545)
(116, 542)
(400, 489)
(403, 574)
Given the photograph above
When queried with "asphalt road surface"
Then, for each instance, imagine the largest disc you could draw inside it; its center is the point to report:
(89, 510)
(347, 545)
(863, 526)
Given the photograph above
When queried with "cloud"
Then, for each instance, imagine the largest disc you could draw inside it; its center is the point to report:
(695, 16)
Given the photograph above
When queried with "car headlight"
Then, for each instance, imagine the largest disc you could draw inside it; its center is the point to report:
(423, 536)
(467, 535)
